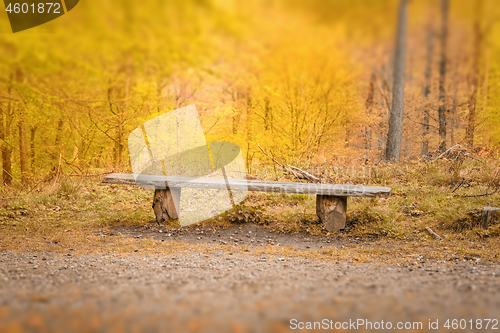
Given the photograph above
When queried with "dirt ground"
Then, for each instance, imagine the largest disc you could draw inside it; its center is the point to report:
(241, 291)
(247, 234)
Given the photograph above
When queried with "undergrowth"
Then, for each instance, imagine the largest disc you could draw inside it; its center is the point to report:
(432, 194)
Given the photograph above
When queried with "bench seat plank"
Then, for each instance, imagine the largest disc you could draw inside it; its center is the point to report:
(252, 185)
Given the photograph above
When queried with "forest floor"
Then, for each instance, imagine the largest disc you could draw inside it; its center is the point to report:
(80, 256)
(245, 278)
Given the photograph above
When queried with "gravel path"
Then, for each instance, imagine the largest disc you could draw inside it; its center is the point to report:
(220, 292)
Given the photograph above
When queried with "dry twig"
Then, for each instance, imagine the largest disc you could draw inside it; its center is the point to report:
(492, 183)
(433, 234)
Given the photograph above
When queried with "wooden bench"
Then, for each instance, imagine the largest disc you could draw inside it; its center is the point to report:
(331, 200)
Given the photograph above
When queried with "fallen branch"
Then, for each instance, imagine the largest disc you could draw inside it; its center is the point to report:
(433, 234)
(460, 149)
(298, 173)
(493, 182)
(306, 174)
(476, 195)
(401, 172)
(15, 180)
(458, 146)
(460, 183)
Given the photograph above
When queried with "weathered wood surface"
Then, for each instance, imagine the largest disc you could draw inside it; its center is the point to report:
(331, 211)
(491, 216)
(158, 182)
(166, 203)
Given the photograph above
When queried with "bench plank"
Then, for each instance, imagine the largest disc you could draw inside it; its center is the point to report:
(338, 190)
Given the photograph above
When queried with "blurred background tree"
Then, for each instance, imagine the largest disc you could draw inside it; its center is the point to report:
(310, 81)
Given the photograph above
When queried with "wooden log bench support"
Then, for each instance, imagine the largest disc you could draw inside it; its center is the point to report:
(490, 216)
(331, 200)
(332, 211)
(166, 204)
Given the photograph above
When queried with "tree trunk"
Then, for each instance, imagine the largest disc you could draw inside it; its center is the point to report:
(32, 147)
(118, 146)
(122, 115)
(427, 92)
(410, 71)
(178, 91)
(267, 111)
(3, 145)
(23, 151)
(485, 77)
(7, 155)
(248, 125)
(442, 76)
(98, 157)
(471, 119)
(118, 112)
(385, 73)
(368, 107)
(453, 122)
(57, 143)
(2, 135)
(6, 146)
(395, 134)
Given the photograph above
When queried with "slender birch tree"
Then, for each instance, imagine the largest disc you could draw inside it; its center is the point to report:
(395, 135)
